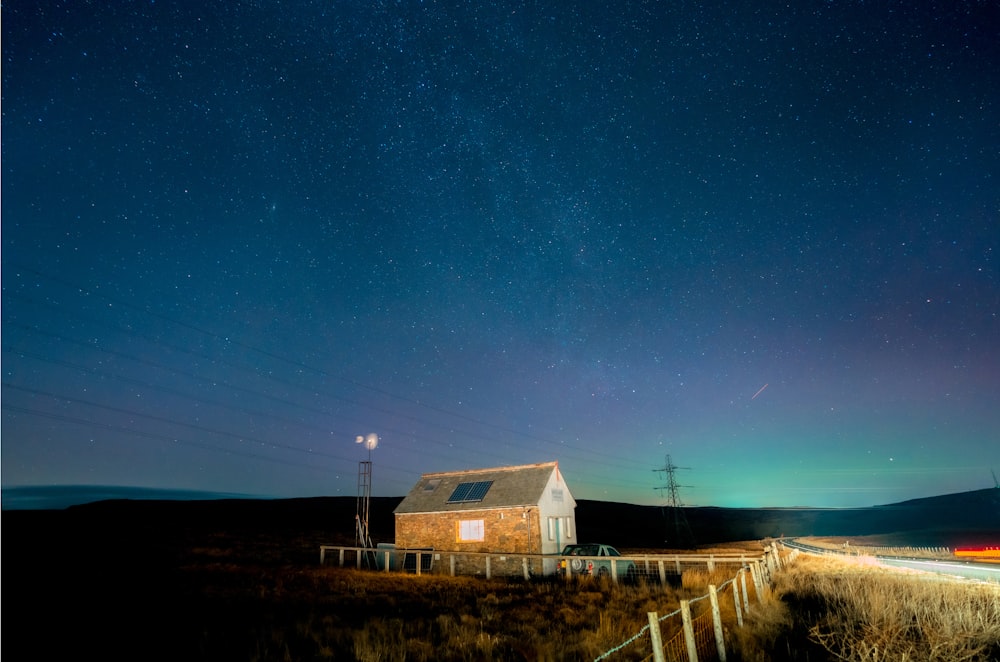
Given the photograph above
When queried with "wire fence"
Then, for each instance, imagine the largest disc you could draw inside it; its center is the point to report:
(667, 569)
(700, 634)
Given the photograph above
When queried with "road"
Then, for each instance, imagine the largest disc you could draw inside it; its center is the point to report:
(967, 570)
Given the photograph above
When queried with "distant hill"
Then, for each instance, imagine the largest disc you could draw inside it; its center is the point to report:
(949, 520)
(57, 497)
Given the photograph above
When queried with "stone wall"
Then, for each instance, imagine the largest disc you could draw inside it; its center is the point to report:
(511, 530)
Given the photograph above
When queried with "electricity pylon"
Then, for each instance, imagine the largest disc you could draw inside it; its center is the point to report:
(682, 536)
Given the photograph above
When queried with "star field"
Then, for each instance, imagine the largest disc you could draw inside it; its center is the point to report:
(238, 235)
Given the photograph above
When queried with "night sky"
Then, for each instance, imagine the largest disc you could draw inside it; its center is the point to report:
(763, 239)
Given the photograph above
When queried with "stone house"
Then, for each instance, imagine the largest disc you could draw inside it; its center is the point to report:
(525, 509)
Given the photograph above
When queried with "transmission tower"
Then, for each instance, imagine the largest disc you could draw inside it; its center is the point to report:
(680, 535)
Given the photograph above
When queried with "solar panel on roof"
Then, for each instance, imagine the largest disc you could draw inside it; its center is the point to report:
(460, 493)
(470, 491)
(478, 490)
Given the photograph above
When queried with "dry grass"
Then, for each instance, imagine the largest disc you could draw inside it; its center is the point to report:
(859, 610)
(748, 547)
(765, 633)
(345, 614)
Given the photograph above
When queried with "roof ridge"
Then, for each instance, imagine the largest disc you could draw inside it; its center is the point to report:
(519, 467)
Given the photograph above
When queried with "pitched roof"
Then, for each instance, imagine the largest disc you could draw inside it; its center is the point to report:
(509, 487)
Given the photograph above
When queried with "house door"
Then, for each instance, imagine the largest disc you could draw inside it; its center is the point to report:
(555, 532)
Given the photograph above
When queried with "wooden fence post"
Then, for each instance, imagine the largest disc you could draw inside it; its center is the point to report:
(720, 641)
(711, 563)
(419, 562)
(755, 571)
(663, 572)
(692, 644)
(387, 561)
(736, 597)
(487, 566)
(451, 564)
(654, 637)
(746, 600)
(341, 557)
(524, 568)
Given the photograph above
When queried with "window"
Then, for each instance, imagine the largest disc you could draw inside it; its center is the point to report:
(471, 530)
(466, 492)
(431, 485)
(560, 528)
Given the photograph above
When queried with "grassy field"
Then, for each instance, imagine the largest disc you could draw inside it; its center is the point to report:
(334, 613)
(130, 590)
(856, 610)
(148, 581)
(254, 612)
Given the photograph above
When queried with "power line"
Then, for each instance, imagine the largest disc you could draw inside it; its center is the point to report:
(150, 435)
(203, 401)
(593, 473)
(242, 438)
(561, 446)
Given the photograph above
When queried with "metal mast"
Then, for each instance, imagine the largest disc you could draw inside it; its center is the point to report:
(362, 535)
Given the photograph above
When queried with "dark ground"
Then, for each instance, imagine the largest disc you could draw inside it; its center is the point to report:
(119, 579)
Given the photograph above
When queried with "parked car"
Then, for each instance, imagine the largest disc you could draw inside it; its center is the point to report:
(595, 560)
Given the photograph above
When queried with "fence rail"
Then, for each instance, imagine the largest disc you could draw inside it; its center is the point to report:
(698, 635)
(663, 568)
(702, 636)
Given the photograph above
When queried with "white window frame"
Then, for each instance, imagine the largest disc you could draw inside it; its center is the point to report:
(565, 525)
(470, 530)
